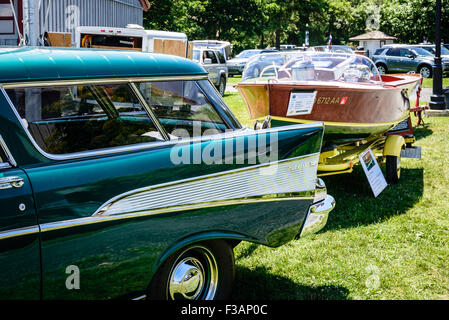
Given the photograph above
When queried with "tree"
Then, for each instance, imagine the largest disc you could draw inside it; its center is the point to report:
(261, 23)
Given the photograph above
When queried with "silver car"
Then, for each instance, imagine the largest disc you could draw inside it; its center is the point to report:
(215, 64)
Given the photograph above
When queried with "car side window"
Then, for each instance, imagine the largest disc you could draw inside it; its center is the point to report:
(211, 55)
(393, 52)
(79, 118)
(378, 52)
(221, 57)
(405, 52)
(182, 108)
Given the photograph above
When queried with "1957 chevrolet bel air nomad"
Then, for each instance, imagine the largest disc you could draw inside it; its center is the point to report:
(125, 175)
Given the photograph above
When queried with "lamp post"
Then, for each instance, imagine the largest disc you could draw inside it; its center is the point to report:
(437, 99)
(307, 35)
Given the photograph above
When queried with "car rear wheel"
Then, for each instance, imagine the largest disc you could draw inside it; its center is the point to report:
(202, 271)
(222, 86)
(382, 69)
(425, 71)
(393, 169)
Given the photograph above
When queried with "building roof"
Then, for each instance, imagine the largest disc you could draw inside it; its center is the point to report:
(373, 35)
(45, 64)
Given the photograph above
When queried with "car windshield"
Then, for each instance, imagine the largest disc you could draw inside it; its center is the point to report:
(247, 53)
(422, 52)
(444, 50)
(310, 66)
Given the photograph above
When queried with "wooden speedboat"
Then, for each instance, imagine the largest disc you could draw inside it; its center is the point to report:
(344, 91)
(409, 81)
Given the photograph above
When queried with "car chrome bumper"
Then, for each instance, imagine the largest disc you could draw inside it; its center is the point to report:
(318, 213)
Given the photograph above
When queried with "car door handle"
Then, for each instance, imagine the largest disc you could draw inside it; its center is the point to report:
(11, 182)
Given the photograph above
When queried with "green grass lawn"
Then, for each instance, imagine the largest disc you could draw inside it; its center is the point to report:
(395, 246)
(428, 83)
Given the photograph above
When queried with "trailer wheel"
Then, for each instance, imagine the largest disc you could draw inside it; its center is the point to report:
(201, 271)
(393, 169)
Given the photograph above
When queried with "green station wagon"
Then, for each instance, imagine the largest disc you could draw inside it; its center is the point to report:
(125, 175)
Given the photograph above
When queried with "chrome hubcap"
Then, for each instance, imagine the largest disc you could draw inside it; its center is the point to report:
(381, 70)
(194, 276)
(187, 279)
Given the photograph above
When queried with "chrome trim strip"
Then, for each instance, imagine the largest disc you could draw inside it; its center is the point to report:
(46, 227)
(8, 153)
(305, 192)
(149, 111)
(99, 218)
(31, 84)
(13, 233)
(254, 181)
(151, 145)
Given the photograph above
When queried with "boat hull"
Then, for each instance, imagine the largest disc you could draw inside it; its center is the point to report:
(349, 112)
(409, 82)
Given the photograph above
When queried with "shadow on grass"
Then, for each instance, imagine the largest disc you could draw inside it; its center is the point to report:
(259, 284)
(421, 132)
(247, 251)
(357, 206)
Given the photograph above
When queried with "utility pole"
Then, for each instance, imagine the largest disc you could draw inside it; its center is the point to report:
(437, 101)
(29, 22)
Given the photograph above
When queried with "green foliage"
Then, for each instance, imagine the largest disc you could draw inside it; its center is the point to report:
(413, 21)
(257, 23)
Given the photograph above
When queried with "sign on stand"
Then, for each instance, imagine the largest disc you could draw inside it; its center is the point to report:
(373, 172)
(301, 103)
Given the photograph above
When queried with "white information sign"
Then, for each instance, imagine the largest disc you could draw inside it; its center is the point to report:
(301, 103)
(373, 172)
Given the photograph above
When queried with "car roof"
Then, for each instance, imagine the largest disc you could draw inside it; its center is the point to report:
(404, 45)
(206, 48)
(41, 64)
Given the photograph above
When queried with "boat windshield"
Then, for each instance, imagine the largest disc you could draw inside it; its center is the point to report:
(311, 66)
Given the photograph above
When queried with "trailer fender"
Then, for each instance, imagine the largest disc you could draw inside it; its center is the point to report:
(393, 146)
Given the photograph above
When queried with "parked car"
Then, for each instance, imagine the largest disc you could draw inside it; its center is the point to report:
(215, 64)
(432, 50)
(287, 47)
(257, 64)
(236, 65)
(334, 48)
(406, 58)
(119, 178)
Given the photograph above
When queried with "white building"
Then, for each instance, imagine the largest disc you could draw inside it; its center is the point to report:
(373, 40)
(32, 18)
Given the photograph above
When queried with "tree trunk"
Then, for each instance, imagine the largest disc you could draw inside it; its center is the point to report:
(278, 39)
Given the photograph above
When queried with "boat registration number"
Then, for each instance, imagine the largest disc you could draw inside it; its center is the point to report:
(301, 102)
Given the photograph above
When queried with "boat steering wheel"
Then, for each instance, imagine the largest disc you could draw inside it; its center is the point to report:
(276, 70)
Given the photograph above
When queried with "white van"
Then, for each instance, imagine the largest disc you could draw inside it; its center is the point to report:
(134, 37)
